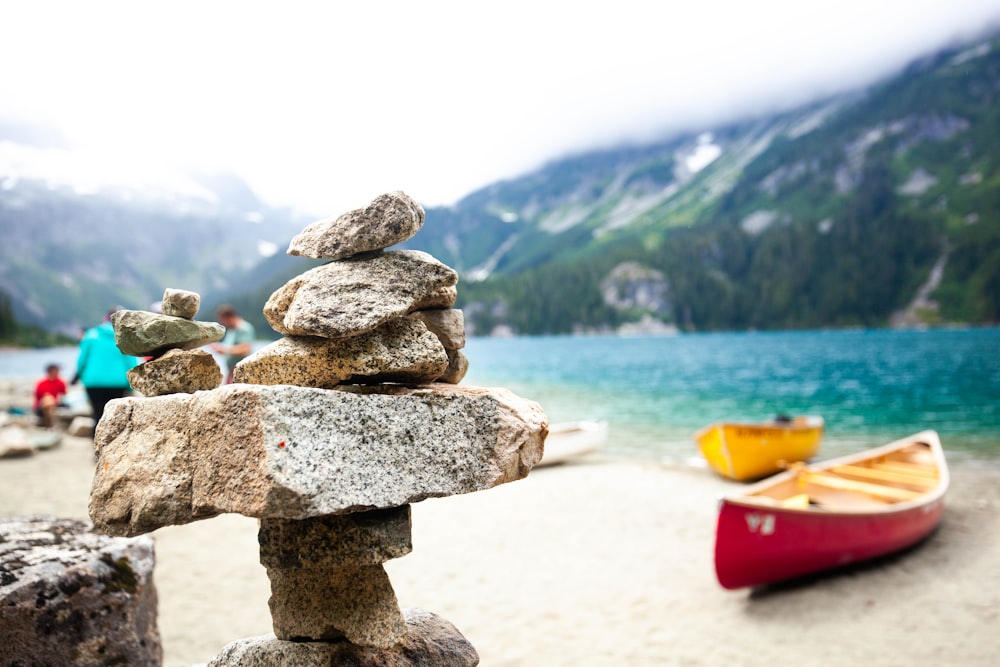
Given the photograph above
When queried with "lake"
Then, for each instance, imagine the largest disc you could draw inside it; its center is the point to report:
(871, 386)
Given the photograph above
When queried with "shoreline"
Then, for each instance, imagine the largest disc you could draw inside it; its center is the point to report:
(601, 561)
(676, 448)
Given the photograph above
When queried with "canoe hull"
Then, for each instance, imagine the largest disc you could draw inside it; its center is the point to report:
(572, 440)
(744, 452)
(760, 542)
(756, 546)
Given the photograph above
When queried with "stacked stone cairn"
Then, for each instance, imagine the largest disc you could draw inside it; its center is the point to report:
(171, 339)
(327, 436)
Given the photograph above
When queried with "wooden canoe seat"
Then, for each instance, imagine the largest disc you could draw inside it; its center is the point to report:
(892, 476)
(798, 501)
(844, 484)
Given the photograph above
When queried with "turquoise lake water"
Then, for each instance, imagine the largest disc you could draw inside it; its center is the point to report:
(870, 386)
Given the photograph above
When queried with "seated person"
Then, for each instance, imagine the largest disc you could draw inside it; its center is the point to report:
(49, 393)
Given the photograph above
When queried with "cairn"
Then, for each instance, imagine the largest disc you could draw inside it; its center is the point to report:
(171, 341)
(327, 436)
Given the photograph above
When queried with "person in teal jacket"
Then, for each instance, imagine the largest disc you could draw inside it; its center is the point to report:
(102, 368)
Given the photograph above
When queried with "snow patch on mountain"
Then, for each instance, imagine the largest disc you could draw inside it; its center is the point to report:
(705, 152)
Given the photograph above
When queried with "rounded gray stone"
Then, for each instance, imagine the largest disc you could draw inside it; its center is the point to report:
(180, 303)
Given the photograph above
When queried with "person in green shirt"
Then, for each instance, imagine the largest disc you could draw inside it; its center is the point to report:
(238, 341)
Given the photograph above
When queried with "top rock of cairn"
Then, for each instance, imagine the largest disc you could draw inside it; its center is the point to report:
(389, 219)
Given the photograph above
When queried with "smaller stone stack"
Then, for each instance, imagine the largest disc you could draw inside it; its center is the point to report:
(171, 340)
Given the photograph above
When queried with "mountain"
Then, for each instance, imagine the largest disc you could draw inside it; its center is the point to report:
(80, 236)
(880, 207)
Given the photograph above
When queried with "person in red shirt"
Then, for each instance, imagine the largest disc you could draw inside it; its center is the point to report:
(49, 392)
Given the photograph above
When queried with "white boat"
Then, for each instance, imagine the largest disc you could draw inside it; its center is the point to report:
(571, 440)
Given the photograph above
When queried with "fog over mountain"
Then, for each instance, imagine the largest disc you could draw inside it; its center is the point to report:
(320, 107)
(839, 212)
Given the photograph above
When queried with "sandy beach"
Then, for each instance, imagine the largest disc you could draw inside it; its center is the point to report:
(601, 562)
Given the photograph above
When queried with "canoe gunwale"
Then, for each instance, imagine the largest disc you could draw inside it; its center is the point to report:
(807, 423)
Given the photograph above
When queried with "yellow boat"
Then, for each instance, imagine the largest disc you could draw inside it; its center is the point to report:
(749, 451)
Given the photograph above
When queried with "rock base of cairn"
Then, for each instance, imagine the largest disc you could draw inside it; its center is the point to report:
(71, 596)
(327, 579)
(428, 640)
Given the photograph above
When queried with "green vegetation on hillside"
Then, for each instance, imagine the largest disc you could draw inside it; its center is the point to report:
(832, 215)
(837, 226)
(19, 335)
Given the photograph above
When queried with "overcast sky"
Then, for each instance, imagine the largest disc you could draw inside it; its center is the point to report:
(323, 105)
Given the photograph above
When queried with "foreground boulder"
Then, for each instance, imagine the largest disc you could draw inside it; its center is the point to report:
(71, 596)
(295, 452)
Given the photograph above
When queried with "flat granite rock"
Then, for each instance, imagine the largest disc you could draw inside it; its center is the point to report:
(389, 219)
(296, 452)
(401, 350)
(72, 596)
(429, 641)
(141, 333)
(352, 296)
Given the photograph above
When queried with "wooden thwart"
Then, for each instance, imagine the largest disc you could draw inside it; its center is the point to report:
(907, 468)
(843, 484)
(891, 476)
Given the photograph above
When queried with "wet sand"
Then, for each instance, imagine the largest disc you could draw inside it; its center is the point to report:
(601, 562)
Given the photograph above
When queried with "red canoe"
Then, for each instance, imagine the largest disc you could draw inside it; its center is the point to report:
(822, 516)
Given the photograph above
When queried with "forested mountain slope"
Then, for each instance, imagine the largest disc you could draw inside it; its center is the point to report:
(831, 215)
